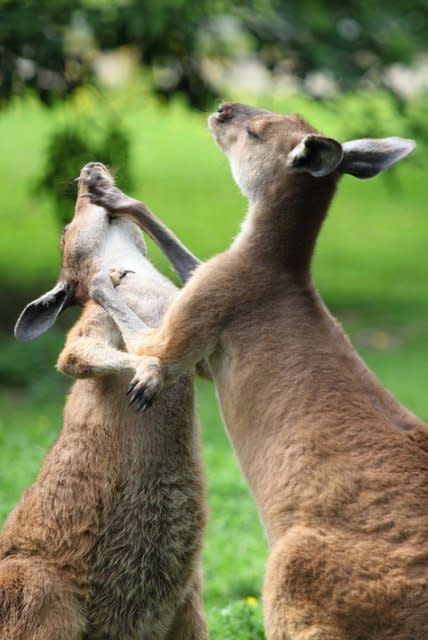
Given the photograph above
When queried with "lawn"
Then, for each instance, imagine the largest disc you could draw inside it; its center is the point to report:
(370, 266)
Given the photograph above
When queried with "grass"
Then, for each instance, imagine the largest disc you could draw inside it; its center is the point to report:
(373, 242)
(370, 266)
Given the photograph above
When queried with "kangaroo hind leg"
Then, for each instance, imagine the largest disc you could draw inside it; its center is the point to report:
(298, 593)
(37, 604)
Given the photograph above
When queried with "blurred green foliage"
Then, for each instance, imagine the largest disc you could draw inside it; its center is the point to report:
(176, 169)
(375, 114)
(73, 145)
(353, 40)
(50, 45)
(20, 367)
(89, 133)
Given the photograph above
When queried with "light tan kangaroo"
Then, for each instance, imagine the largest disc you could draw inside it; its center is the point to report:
(105, 545)
(338, 468)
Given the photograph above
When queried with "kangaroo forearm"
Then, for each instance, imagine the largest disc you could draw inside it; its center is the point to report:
(181, 259)
(129, 324)
(87, 358)
(193, 325)
(121, 205)
(176, 356)
(118, 203)
(178, 347)
(104, 293)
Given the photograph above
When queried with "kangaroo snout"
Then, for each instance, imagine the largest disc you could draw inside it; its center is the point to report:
(94, 173)
(224, 112)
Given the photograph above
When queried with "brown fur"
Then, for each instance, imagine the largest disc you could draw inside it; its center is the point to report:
(342, 488)
(105, 544)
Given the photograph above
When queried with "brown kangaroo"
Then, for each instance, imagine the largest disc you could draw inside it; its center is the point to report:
(338, 468)
(105, 545)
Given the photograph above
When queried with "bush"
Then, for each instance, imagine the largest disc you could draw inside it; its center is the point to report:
(21, 367)
(83, 136)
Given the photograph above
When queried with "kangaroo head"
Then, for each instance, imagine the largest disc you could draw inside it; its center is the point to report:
(265, 149)
(93, 240)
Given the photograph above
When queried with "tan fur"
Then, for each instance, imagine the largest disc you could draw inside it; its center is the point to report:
(341, 486)
(105, 544)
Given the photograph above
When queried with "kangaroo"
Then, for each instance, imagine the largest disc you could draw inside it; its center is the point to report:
(105, 545)
(337, 467)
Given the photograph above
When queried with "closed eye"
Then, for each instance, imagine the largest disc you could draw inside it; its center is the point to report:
(251, 133)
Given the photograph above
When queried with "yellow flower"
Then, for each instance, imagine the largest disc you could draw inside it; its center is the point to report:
(251, 600)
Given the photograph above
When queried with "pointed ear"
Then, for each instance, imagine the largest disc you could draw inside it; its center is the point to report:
(368, 157)
(316, 155)
(39, 315)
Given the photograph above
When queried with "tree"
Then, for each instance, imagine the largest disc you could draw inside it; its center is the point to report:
(49, 45)
(355, 41)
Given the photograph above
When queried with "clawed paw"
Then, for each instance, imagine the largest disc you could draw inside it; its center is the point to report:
(106, 197)
(116, 275)
(109, 197)
(146, 383)
(103, 283)
(101, 190)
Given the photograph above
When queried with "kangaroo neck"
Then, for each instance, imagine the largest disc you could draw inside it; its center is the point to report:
(282, 226)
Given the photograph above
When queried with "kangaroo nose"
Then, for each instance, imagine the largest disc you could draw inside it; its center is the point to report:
(224, 111)
(95, 170)
(94, 165)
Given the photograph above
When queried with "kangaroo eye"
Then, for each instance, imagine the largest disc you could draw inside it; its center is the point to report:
(251, 133)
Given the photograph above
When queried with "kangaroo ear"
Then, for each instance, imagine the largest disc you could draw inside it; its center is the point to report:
(368, 157)
(40, 314)
(316, 155)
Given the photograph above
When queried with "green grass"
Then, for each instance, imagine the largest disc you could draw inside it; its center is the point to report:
(372, 247)
(370, 267)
